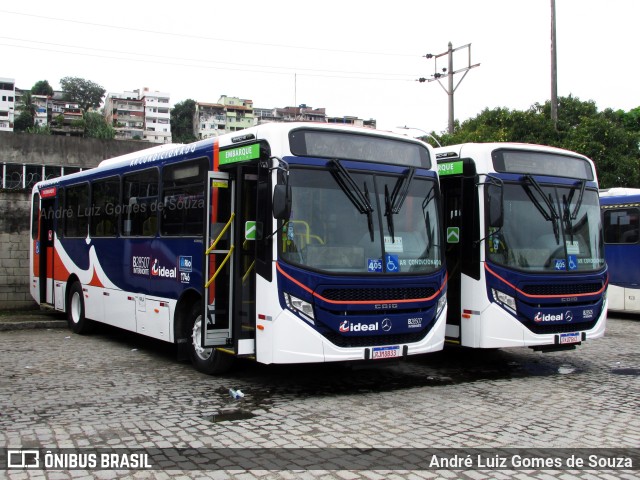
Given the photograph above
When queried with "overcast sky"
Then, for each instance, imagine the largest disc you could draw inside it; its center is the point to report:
(354, 58)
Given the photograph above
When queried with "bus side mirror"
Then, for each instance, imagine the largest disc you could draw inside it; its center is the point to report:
(494, 205)
(282, 202)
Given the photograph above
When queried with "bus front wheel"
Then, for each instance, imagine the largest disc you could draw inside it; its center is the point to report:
(206, 360)
(75, 310)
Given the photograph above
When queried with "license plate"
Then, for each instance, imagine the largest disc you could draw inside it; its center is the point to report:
(386, 352)
(570, 337)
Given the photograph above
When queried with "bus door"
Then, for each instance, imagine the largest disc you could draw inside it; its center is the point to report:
(249, 232)
(45, 241)
(452, 208)
(460, 210)
(219, 267)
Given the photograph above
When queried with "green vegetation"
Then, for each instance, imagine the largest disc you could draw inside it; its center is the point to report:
(85, 93)
(182, 122)
(42, 87)
(610, 138)
(96, 126)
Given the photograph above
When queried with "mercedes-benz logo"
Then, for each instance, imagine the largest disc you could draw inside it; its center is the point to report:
(568, 315)
(386, 324)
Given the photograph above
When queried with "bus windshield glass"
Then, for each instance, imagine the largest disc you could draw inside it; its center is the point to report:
(548, 228)
(351, 146)
(335, 222)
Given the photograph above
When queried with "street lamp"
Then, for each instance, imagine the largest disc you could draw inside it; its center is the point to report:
(423, 131)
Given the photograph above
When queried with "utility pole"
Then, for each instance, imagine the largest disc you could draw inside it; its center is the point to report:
(449, 72)
(554, 68)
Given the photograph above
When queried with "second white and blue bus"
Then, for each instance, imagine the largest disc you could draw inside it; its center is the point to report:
(621, 221)
(525, 250)
(284, 243)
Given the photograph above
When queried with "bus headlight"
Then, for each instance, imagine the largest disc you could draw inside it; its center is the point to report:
(300, 306)
(442, 301)
(503, 298)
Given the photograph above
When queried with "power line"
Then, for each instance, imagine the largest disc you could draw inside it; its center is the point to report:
(449, 72)
(145, 57)
(211, 67)
(202, 37)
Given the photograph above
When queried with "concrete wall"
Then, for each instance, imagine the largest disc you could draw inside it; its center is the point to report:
(15, 208)
(14, 253)
(61, 150)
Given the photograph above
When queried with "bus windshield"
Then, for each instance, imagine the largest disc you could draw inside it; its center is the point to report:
(335, 225)
(548, 228)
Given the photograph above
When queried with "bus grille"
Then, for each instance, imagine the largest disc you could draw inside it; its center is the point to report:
(381, 294)
(564, 328)
(562, 289)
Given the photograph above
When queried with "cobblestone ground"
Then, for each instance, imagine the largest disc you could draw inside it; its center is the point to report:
(111, 389)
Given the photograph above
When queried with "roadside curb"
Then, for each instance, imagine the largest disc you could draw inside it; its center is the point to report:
(26, 320)
(31, 324)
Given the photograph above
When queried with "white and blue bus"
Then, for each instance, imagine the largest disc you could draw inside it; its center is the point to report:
(620, 218)
(524, 246)
(284, 243)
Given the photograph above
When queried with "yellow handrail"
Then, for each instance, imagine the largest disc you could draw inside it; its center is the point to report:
(215, 242)
(244, 277)
(226, 259)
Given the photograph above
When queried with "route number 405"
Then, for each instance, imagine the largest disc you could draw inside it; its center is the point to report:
(375, 265)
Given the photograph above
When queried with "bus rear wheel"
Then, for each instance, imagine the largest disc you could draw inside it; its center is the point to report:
(206, 360)
(75, 310)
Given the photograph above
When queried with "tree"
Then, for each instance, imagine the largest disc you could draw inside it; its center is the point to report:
(610, 138)
(85, 93)
(23, 122)
(96, 126)
(42, 87)
(27, 110)
(182, 121)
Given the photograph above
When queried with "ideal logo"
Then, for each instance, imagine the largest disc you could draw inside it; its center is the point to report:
(185, 263)
(548, 317)
(154, 268)
(161, 271)
(347, 326)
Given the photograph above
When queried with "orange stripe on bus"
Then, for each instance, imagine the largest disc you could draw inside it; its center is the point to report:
(545, 296)
(360, 302)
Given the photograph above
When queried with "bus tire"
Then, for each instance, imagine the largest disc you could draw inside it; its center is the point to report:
(206, 360)
(75, 310)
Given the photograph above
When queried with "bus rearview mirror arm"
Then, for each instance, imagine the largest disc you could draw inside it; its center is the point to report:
(494, 204)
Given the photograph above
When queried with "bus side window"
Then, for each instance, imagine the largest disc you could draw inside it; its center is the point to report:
(621, 225)
(105, 195)
(139, 204)
(35, 216)
(183, 194)
(77, 211)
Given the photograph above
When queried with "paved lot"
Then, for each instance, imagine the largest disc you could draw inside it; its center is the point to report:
(111, 389)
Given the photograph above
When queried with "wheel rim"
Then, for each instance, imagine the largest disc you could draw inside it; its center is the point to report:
(196, 340)
(76, 307)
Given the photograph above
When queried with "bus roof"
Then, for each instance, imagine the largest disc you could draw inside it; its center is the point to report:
(276, 132)
(468, 149)
(518, 158)
(619, 195)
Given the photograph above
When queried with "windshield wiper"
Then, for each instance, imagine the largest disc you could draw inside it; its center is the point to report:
(551, 215)
(401, 190)
(393, 203)
(369, 213)
(567, 214)
(574, 214)
(350, 188)
(388, 212)
(427, 218)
